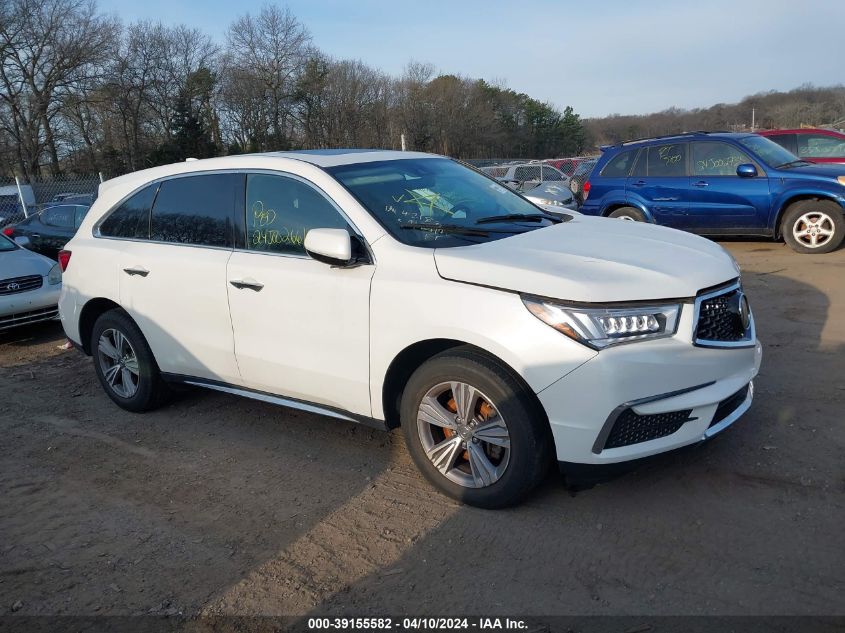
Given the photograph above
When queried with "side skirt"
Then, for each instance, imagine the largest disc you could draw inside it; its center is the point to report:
(290, 403)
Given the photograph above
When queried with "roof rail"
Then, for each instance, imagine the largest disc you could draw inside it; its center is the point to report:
(660, 136)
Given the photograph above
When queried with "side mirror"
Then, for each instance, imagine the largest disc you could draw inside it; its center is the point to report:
(330, 246)
(22, 241)
(746, 170)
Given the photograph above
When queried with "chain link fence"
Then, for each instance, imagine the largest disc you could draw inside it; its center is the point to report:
(21, 198)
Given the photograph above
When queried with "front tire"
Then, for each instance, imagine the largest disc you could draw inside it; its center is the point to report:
(813, 226)
(628, 213)
(125, 364)
(474, 430)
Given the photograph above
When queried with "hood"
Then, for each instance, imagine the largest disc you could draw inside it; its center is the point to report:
(593, 260)
(21, 262)
(821, 170)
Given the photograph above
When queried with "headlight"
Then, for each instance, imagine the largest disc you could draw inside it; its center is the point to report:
(55, 275)
(841, 180)
(601, 327)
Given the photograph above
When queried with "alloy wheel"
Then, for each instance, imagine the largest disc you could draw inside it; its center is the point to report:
(463, 434)
(814, 229)
(118, 362)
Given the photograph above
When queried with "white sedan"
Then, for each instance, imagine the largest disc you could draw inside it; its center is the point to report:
(30, 285)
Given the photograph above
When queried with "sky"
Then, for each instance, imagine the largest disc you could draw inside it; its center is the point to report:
(600, 57)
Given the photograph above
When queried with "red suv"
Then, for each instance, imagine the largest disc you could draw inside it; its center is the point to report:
(813, 144)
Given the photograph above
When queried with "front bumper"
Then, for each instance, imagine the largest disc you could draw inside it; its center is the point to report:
(30, 306)
(690, 393)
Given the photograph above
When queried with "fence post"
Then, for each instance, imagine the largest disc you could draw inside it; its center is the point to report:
(20, 197)
(102, 180)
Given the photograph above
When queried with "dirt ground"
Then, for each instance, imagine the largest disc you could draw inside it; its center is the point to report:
(221, 505)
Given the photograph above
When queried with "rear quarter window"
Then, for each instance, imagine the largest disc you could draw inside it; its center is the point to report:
(619, 166)
(131, 220)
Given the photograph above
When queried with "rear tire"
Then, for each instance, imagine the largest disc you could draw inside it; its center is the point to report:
(813, 226)
(125, 364)
(628, 213)
(467, 392)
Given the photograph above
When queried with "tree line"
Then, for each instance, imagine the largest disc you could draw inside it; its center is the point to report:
(807, 105)
(81, 92)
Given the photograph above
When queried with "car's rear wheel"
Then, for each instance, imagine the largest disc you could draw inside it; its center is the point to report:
(125, 364)
(628, 213)
(813, 226)
(474, 430)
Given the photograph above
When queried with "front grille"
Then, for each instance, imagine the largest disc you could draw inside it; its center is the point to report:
(729, 405)
(632, 428)
(22, 318)
(719, 318)
(20, 284)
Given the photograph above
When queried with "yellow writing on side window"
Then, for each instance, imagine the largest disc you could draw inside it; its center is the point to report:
(667, 157)
(272, 237)
(260, 216)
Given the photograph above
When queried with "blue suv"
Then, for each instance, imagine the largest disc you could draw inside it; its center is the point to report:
(721, 184)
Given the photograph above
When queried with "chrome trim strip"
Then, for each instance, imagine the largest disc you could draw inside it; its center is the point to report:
(285, 402)
(750, 338)
(733, 417)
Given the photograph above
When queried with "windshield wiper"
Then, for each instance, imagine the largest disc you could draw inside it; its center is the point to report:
(445, 228)
(794, 163)
(525, 217)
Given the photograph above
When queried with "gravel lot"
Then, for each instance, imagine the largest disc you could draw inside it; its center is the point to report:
(220, 505)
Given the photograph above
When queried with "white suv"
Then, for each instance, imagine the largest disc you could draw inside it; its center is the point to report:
(398, 288)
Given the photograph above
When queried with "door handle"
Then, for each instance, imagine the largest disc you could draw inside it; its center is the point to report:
(136, 270)
(701, 183)
(639, 183)
(35, 236)
(249, 282)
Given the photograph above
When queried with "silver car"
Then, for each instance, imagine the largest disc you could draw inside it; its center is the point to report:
(541, 184)
(30, 285)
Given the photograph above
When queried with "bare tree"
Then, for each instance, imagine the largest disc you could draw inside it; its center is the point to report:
(50, 47)
(271, 49)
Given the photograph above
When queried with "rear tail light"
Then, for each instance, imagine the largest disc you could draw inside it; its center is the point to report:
(586, 189)
(64, 259)
(8, 231)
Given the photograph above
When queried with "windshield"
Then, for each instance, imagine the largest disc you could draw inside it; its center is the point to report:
(6, 244)
(436, 202)
(772, 154)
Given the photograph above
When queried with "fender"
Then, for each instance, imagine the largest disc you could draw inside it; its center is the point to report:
(785, 192)
(633, 200)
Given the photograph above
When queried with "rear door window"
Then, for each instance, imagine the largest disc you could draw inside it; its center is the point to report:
(131, 220)
(667, 161)
(717, 159)
(619, 166)
(196, 210)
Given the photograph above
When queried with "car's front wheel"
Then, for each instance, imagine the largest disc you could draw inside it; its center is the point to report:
(628, 213)
(813, 226)
(474, 430)
(125, 364)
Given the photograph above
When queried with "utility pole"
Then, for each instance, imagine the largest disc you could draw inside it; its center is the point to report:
(402, 139)
(753, 119)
